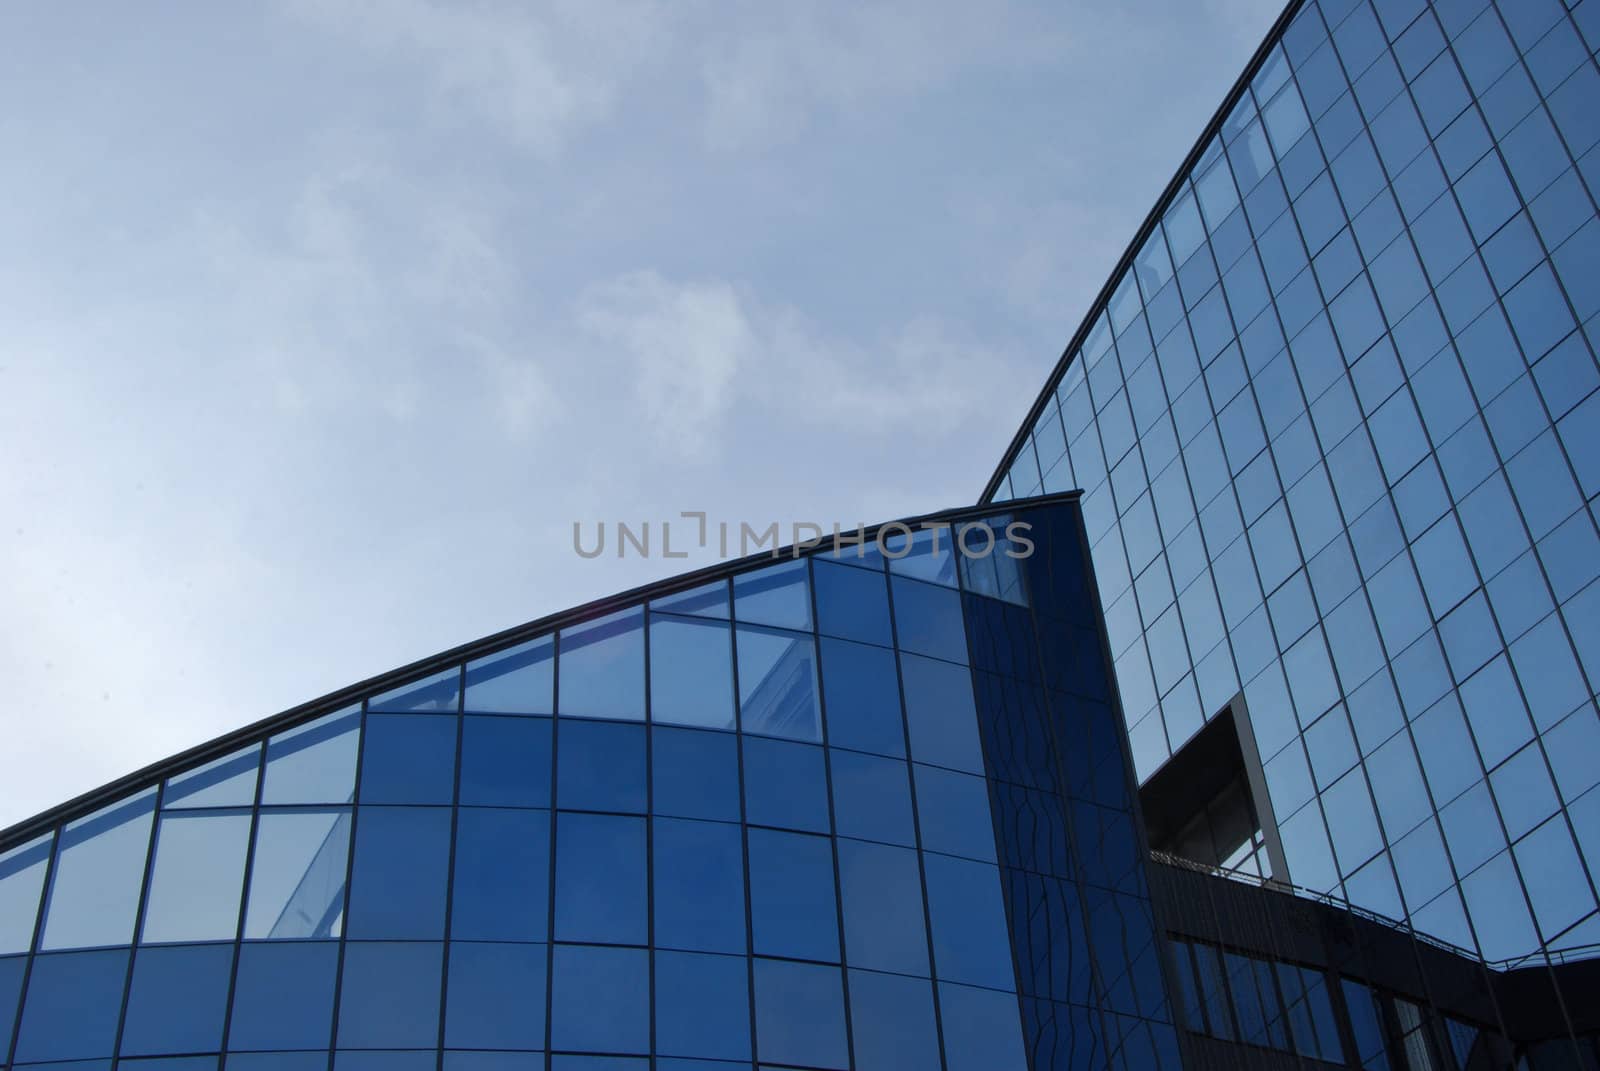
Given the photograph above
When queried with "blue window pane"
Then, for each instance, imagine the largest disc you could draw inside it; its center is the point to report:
(852, 604)
(970, 942)
(94, 891)
(928, 619)
(178, 1000)
(198, 877)
(1523, 792)
(72, 1006)
(441, 691)
(691, 672)
(778, 683)
(785, 785)
(699, 885)
(489, 1061)
(495, 999)
(297, 878)
(941, 714)
(927, 555)
(600, 766)
(21, 881)
(408, 759)
(871, 798)
(602, 667)
(283, 996)
(315, 763)
(278, 1061)
(502, 879)
(702, 1005)
(792, 895)
(389, 995)
(1499, 913)
(953, 809)
(707, 600)
(1554, 877)
(398, 879)
(520, 680)
(892, 1022)
(389, 1060)
(601, 999)
(982, 1030)
(882, 898)
(226, 782)
(601, 890)
(505, 762)
(861, 692)
(777, 595)
(800, 1014)
(694, 774)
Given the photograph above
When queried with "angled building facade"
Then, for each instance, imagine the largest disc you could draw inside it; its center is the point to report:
(1335, 422)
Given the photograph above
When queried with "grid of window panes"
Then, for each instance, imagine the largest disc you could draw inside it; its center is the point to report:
(1339, 435)
(706, 829)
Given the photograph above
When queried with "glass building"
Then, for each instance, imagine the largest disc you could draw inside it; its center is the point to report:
(1335, 421)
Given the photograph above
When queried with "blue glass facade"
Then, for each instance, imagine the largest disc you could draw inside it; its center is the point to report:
(748, 821)
(1337, 427)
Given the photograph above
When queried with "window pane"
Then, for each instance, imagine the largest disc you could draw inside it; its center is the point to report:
(800, 1014)
(883, 925)
(178, 1000)
(691, 672)
(441, 692)
(707, 600)
(21, 881)
(408, 758)
(702, 1005)
(953, 809)
(892, 1022)
(928, 619)
(601, 999)
(99, 870)
(198, 877)
(520, 680)
(601, 891)
(398, 879)
(778, 684)
(502, 885)
(389, 994)
(602, 667)
(777, 595)
(699, 885)
(872, 798)
(505, 762)
(496, 996)
(785, 785)
(297, 879)
(792, 895)
(72, 1006)
(941, 714)
(982, 1031)
(601, 766)
(694, 774)
(226, 782)
(283, 997)
(315, 763)
(928, 557)
(852, 603)
(970, 940)
(861, 691)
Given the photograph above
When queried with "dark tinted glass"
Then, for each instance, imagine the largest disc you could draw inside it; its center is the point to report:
(785, 784)
(861, 691)
(600, 766)
(505, 762)
(502, 878)
(600, 879)
(852, 603)
(694, 774)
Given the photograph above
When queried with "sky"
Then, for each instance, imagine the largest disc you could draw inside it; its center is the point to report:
(325, 320)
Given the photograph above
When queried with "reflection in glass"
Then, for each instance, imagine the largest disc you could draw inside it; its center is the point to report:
(520, 680)
(927, 555)
(862, 692)
(778, 684)
(777, 596)
(928, 620)
(226, 782)
(297, 877)
(197, 878)
(21, 881)
(602, 667)
(691, 672)
(99, 869)
(440, 692)
(800, 1014)
(707, 600)
(852, 603)
(315, 763)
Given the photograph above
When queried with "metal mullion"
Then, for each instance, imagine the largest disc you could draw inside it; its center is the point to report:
(550, 869)
(450, 865)
(744, 826)
(244, 899)
(349, 881)
(46, 884)
(135, 940)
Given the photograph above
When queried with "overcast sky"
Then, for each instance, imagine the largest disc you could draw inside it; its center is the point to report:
(321, 322)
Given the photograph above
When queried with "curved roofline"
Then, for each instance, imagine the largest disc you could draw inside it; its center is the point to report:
(94, 799)
(1164, 202)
